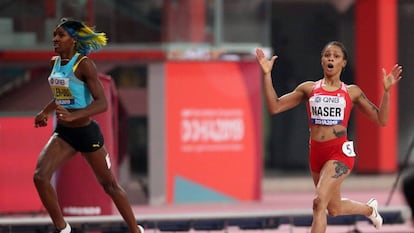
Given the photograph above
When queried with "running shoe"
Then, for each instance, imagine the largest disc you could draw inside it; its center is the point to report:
(375, 217)
(67, 229)
(141, 229)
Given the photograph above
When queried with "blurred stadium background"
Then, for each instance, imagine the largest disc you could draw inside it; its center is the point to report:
(187, 124)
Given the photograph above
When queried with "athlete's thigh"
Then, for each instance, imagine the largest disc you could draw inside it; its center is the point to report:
(53, 155)
(100, 163)
(331, 177)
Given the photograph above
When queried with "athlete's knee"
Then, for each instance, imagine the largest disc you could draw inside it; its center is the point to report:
(111, 187)
(39, 178)
(318, 204)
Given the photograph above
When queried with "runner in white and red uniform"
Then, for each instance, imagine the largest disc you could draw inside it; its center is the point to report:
(329, 108)
(329, 103)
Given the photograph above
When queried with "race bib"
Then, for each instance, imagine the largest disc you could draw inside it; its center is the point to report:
(61, 91)
(327, 110)
(348, 148)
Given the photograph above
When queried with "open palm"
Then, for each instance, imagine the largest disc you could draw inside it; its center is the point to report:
(265, 64)
(391, 78)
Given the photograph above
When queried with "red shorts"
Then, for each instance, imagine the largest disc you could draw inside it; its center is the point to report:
(321, 152)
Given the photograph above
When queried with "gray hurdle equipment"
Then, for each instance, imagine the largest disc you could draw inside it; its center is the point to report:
(195, 221)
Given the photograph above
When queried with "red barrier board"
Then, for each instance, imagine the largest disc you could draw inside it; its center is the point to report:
(214, 146)
(20, 144)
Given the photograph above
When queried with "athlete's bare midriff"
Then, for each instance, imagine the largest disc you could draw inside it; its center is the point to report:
(76, 123)
(323, 133)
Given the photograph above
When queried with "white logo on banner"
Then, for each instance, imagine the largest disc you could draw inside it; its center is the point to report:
(212, 130)
(82, 210)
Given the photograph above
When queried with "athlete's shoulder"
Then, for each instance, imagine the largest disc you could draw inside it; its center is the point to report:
(306, 87)
(354, 91)
(82, 58)
(83, 62)
(353, 88)
(307, 84)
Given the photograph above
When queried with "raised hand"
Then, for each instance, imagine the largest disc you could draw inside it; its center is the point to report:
(265, 64)
(391, 78)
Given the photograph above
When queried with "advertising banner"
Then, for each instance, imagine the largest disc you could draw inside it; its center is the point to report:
(20, 144)
(213, 131)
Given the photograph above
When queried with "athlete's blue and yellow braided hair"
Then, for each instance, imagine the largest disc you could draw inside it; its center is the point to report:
(87, 39)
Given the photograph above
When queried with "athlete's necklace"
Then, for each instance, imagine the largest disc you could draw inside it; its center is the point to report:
(66, 59)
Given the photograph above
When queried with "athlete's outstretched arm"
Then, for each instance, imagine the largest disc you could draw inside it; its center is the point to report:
(379, 114)
(275, 103)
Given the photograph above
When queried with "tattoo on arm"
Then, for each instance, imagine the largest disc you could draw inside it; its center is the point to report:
(340, 169)
(370, 103)
(339, 133)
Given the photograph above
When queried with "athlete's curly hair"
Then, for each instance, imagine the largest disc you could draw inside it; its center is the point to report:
(87, 39)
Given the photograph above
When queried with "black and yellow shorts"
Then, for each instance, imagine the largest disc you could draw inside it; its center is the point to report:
(83, 139)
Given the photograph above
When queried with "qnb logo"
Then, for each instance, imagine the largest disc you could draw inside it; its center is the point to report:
(212, 130)
(327, 99)
(56, 81)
